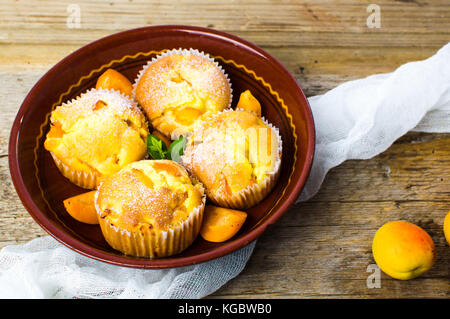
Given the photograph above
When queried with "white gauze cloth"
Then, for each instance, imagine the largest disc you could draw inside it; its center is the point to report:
(356, 120)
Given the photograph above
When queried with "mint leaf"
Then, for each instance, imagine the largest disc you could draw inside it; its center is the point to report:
(156, 147)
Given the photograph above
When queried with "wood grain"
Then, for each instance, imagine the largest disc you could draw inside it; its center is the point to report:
(320, 248)
(267, 23)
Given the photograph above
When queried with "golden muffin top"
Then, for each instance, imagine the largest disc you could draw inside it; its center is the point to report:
(177, 90)
(231, 151)
(156, 194)
(101, 131)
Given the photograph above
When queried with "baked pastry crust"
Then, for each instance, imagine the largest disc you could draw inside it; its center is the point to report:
(150, 193)
(95, 135)
(236, 155)
(178, 90)
(150, 208)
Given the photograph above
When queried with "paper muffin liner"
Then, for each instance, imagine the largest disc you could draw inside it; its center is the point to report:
(91, 94)
(82, 179)
(181, 51)
(249, 196)
(90, 180)
(252, 194)
(150, 243)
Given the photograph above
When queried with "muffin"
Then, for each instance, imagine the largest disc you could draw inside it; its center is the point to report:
(96, 135)
(237, 157)
(150, 208)
(180, 88)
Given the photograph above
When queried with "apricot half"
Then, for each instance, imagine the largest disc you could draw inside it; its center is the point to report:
(249, 103)
(403, 250)
(188, 115)
(447, 227)
(220, 224)
(111, 79)
(82, 207)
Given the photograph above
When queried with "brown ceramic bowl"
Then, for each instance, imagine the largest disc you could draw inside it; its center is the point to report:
(42, 188)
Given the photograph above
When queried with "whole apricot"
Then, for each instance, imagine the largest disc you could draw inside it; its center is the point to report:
(111, 79)
(447, 227)
(403, 250)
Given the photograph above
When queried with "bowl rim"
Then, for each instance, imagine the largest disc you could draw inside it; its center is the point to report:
(127, 261)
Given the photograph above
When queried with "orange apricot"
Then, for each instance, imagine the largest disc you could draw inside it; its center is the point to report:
(111, 79)
(447, 227)
(403, 250)
(248, 102)
(82, 207)
(56, 130)
(54, 136)
(220, 224)
(187, 116)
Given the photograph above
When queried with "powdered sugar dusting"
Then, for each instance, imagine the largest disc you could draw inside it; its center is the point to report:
(85, 105)
(209, 143)
(101, 131)
(147, 196)
(178, 81)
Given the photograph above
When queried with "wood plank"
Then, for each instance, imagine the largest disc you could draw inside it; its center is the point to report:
(16, 225)
(322, 249)
(303, 62)
(14, 88)
(315, 240)
(295, 22)
(416, 167)
(317, 70)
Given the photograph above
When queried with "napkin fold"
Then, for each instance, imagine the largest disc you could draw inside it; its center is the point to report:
(44, 268)
(356, 120)
(362, 118)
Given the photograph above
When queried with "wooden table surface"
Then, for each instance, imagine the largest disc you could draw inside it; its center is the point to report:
(320, 248)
